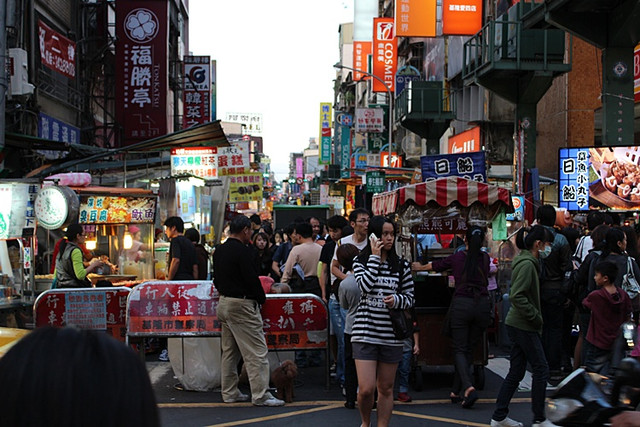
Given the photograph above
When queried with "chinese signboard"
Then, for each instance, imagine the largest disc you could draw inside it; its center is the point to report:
(56, 130)
(56, 51)
(361, 51)
(233, 160)
(396, 161)
(198, 161)
(360, 160)
(466, 165)
(415, 18)
(461, 17)
(518, 207)
(116, 210)
(190, 309)
(345, 151)
(369, 120)
(103, 309)
(325, 133)
(375, 141)
(599, 177)
(197, 90)
(141, 69)
(385, 61)
(437, 225)
(375, 181)
(465, 142)
(245, 188)
(16, 208)
(252, 122)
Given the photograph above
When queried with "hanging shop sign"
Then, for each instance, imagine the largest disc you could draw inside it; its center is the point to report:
(369, 120)
(198, 161)
(17, 202)
(385, 60)
(361, 52)
(465, 142)
(461, 17)
(141, 69)
(197, 90)
(252, 122)
(245, 188)
(415, 18)
(396, 161)
(466, 165)
(375, 181)
(56, 206)
(599, 177)
(233, 160)
(56, 51)
(375, 141)
(518, 209)
(345, 151)
(441, 225)
(360, 160)
(116, 210)
(56, 130)
(325, 133)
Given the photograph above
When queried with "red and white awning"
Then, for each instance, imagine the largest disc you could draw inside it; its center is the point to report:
(443, 191)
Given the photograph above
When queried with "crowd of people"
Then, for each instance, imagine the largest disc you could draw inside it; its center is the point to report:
(563, 280)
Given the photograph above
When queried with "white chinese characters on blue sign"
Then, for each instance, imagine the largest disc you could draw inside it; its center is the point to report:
(574, 179)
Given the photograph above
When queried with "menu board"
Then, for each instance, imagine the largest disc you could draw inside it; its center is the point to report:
(599, 178)
(116, 210)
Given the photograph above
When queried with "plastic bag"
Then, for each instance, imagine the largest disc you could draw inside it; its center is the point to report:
(201, 362)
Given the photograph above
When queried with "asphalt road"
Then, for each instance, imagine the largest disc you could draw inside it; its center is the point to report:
(315, 405)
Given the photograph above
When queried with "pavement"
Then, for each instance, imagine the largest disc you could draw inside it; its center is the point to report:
(315, 405)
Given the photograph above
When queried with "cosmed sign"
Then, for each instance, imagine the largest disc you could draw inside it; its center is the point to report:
(385, 61)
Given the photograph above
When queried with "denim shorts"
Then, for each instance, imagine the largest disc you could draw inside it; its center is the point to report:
(380, 352)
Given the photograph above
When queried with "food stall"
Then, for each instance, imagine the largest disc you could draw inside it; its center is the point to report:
(119, 224)
(445, 206)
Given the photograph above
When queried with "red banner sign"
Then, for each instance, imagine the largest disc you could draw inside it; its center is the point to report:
(197, 90)
(385, 59)
(461, 17)
(56, 51)
(190, 309)
(141, 69)
(361, 50)
(102, 309)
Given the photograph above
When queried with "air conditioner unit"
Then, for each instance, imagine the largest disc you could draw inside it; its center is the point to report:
(19, 73)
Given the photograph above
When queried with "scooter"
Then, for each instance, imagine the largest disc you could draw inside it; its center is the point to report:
(591, 399)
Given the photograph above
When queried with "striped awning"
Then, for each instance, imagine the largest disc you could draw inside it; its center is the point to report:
(443, 191)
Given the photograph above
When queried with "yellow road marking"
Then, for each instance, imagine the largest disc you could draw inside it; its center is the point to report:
(274, 417)
(441, 419)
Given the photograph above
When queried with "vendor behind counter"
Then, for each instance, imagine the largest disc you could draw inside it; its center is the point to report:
(70, 271)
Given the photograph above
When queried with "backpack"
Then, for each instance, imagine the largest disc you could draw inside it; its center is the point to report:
(629, 281)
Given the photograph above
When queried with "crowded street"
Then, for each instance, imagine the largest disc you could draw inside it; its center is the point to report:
(331, 213)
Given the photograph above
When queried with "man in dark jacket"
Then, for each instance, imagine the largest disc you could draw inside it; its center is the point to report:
(552, 271)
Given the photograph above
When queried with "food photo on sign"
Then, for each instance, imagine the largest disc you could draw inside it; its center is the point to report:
(614, 177)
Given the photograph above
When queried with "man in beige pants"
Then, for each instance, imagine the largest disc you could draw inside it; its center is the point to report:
(241, 295)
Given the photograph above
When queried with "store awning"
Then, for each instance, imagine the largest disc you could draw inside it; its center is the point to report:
(28, 142)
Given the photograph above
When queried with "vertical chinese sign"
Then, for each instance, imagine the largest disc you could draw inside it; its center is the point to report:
(361, 52)
(56, 51)
(197, 91)
(415, 18)
(325, 133)
(573, 185)
(385, 60)
(141, 69)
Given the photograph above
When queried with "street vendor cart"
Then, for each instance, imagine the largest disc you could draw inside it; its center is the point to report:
(445, 206)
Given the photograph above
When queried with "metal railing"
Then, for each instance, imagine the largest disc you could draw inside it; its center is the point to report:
(436, 100)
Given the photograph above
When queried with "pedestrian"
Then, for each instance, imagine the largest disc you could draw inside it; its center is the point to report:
(552, 297)
(263, 254)
(610, 307)
(385, 282)
(306, 254)
(281, 254)
(70, 271)
(316, 227)
(359, 221)
(241, 296)
(183, 263)
(585, 244)
(524, 328)
(470, 309)
(615, 251)
(410, 348)
(349, 297)
(202, 255)
(74, 377)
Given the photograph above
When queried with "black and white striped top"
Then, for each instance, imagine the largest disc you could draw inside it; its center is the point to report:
(375, 280)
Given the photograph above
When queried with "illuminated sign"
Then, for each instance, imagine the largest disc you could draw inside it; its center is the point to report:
(198, 161)
(415, 18)
(385, 61)
(461, 17)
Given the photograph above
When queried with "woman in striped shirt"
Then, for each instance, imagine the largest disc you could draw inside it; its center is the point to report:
(385, 282)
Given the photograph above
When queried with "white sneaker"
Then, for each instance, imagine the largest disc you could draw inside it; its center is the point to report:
(241, 397)
(272, 401)
(507, 422)
(545, 423)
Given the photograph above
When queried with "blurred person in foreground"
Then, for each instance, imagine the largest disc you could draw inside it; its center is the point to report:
(241, 295)
(73, 377)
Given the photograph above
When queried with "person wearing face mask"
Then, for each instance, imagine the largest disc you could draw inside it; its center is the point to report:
(524, 327)
(556, 261)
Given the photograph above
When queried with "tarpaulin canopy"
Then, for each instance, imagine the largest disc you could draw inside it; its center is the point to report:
(443, 191)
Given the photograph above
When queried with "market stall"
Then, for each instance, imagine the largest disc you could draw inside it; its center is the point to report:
(118, 223)
(437, 209)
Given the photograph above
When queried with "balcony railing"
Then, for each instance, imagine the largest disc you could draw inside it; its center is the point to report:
(424, 100)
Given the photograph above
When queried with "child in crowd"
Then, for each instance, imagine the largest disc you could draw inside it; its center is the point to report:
(280, 288)
(610, 307)
(411, 346)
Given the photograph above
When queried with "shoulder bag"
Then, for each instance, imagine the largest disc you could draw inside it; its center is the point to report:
(402, 321)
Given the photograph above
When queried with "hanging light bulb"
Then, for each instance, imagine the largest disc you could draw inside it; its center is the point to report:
(128, 240)
(91, 244)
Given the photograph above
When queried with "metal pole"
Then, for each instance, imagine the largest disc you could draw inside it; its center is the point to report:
(339, 66)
